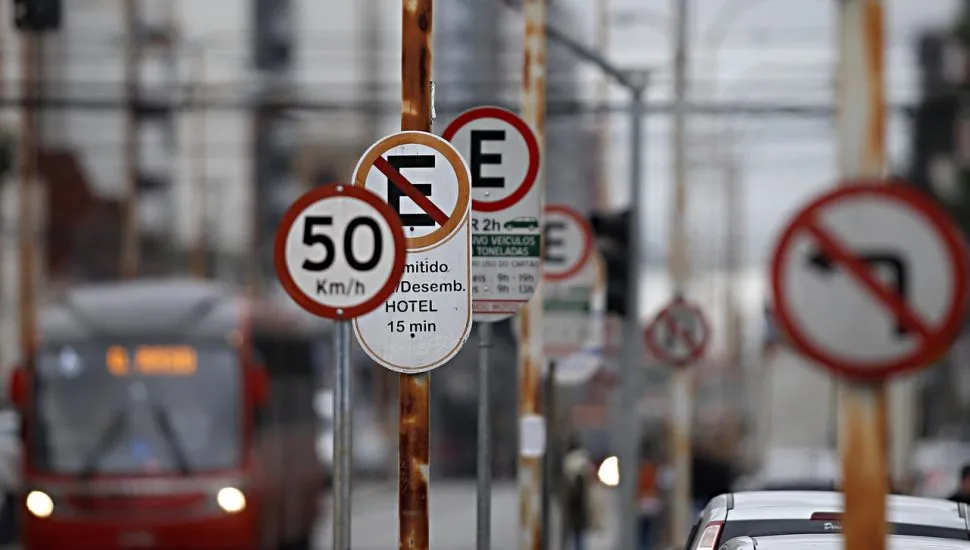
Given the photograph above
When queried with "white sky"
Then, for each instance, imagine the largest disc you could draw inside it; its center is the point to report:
(771, 51)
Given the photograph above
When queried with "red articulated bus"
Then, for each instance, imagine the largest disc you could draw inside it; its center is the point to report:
(170, 415)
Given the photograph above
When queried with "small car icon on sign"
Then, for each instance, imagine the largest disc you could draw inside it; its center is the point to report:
(522, 223)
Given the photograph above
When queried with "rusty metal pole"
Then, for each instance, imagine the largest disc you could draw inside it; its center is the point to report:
(863, 426)
(531, 439)
(414, 390)
(198, 262)
(130, 242)
(30, 61)
(679, 266)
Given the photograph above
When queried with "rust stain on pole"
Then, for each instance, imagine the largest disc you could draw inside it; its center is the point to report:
(865, 472)
(874, 46)
(415, 389)
(416, 65)
(30, 80)
(413, 440)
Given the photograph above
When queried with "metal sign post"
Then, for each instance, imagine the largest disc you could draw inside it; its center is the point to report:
(339, 253)
(549, 461)
(678, 336)
(506, 212)
(483, 522)
(869, 281)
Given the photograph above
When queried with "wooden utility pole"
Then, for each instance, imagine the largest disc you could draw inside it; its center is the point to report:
(861, 117)
(414, 437)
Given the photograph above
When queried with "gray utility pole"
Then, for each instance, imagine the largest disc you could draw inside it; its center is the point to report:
(636, 83)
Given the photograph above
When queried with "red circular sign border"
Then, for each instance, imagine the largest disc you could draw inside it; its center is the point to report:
(587, 242)
(953, 241)
(532, 173)
(289, 218)
(661, 353)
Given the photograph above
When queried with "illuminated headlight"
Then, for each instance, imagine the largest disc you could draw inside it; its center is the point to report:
(609, 472)
(231, 500)
(39, 504)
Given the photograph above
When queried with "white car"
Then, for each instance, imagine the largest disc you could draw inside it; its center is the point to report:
(834, 542)
(773, 513)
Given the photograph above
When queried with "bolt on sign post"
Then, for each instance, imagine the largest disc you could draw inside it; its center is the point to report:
(869, 281)
(503, 157)
(531, 327)
(339, 253)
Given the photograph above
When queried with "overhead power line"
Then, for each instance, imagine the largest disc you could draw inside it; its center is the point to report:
(554, 107)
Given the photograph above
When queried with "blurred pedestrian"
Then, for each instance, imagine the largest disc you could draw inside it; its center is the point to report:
(962, 494)
(648, 498)
(577, 478)
(712, 475)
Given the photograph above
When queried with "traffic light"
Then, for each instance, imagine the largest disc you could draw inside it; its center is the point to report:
(612, 239)
(37, 15)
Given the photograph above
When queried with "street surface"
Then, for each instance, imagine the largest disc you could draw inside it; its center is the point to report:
(452, 507)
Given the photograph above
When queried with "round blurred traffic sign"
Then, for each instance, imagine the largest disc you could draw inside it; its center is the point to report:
(568, 242)
(339, 251)
(679, 334)
(870, 280)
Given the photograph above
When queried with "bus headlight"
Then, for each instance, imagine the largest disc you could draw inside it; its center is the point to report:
(39, 504)
(231, 500)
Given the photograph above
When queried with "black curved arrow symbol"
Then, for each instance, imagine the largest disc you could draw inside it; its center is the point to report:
(820, 261)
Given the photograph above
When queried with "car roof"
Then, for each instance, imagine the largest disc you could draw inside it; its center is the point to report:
(912, 516)
(754, 499)
(835, 542)
(764, 505)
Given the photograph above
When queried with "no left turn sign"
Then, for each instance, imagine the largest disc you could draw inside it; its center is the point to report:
(427, 319)
(339, 251)
(870, 280)
(503, 157)
(679, 334)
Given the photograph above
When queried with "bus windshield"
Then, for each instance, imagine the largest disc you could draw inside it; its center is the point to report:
(127, 408)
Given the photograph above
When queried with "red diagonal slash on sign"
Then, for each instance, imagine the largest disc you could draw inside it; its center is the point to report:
(863, 275)
(680, 332)
(406, 187)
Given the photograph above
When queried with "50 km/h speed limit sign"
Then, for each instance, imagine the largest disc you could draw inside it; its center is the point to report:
(503, 157)
(428, 318)
(339, 251)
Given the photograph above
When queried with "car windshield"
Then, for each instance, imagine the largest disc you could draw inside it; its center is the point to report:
(768, 528)
(128, 408)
